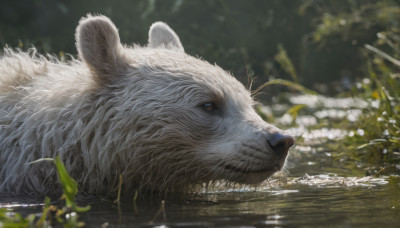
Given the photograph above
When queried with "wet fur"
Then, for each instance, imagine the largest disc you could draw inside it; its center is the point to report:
(135, 111)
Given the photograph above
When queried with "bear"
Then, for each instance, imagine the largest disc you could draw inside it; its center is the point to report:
(164, 120)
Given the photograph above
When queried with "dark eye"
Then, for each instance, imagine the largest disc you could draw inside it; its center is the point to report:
(209, 106)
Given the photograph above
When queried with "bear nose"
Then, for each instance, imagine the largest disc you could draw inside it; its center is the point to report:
(281, 143)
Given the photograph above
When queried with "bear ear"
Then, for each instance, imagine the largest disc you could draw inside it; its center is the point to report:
(98, 45)
(162, 36)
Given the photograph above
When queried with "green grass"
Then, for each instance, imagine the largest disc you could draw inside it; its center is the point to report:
(381, 119)
(51, 214)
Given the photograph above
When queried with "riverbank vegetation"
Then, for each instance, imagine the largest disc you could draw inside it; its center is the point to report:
(380, 119)
(371, 134)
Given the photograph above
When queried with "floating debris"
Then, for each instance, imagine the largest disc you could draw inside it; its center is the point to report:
(275, 185)
(329, 180)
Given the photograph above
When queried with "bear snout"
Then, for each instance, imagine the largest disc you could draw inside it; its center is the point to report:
(280, 143)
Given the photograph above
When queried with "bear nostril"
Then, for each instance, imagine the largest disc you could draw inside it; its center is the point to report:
(281, 143)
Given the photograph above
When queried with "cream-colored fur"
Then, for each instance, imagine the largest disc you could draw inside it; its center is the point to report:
(143, 112)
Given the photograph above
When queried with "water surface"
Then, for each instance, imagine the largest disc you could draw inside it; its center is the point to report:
(295, 199)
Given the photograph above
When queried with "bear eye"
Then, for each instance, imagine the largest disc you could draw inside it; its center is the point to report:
(209, 106)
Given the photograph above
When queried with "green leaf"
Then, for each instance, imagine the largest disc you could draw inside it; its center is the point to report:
(294, 111)
(287, 83)
(283, 59)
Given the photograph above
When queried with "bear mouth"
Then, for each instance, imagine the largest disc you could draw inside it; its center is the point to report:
(235, 169)
(246, 175)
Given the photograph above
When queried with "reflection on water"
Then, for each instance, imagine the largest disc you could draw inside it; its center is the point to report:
(289, 206)
(314, 101)
(350, 114)
(324, 200)
(320, 108)
(317, 135)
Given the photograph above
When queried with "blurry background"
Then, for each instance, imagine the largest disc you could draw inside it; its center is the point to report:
(346, 50)
(317, 43)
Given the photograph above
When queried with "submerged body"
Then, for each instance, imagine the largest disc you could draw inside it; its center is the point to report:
(161, 118)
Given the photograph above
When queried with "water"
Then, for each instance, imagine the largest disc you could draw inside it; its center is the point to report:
(320, 198)
(291, 206)
(316, 190)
